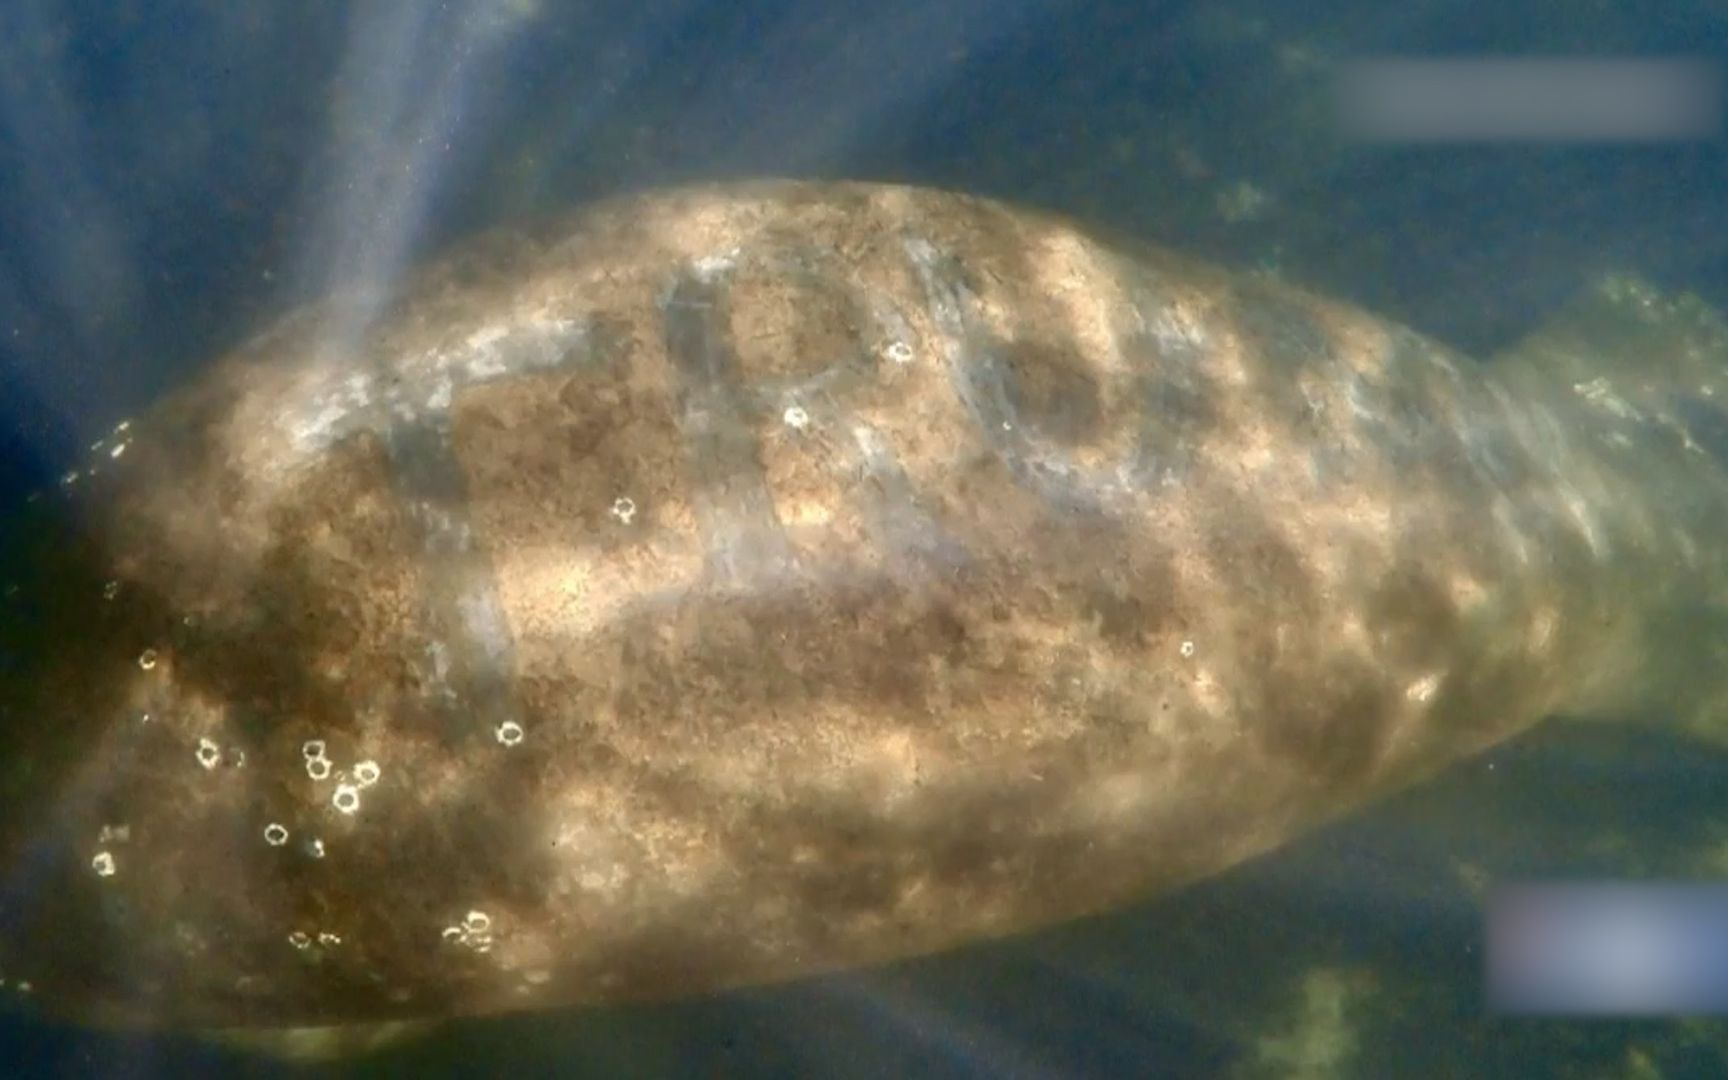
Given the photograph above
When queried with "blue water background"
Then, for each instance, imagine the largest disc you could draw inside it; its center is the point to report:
(171, 176)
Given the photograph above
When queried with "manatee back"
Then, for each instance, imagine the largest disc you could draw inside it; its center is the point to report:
(742, 582)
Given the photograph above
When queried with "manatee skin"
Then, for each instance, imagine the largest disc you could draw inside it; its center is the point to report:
(741, 582)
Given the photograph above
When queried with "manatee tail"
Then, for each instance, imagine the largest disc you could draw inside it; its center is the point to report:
(1642, 378)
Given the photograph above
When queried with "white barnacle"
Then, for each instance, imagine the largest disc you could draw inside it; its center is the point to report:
(899, 352)
(318, 768)
(327, 939)
(624, 508)
(452, 934)
(147, 659)
(275, 834)
(312, 749)
(366, 773)
(300, 939)
(315, 848)
(796, 418)
(103, 864)
(347, 798)
(509, 733)
(208, 753)
(1422, 689)
(1186, 649)
(476, 922)
(118, 449)
(709, 267)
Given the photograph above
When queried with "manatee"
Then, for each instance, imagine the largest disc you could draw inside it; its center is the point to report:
(740, 582)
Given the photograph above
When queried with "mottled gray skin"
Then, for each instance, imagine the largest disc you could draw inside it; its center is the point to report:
(744, 582)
